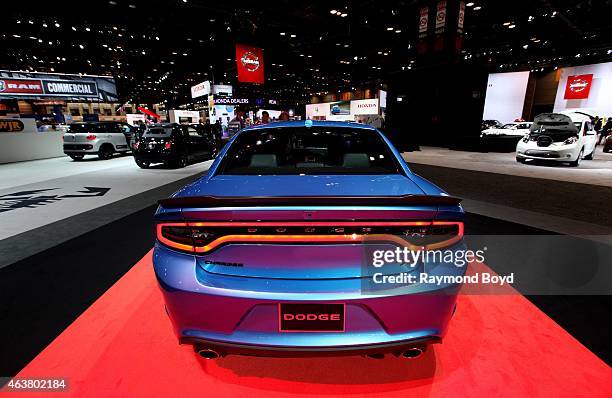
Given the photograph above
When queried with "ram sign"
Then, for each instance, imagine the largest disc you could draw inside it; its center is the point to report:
(21, 85)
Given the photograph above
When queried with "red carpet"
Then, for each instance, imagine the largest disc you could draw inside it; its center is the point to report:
(497, 345)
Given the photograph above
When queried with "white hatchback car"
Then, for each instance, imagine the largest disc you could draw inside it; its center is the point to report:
(97, 138)
(568, 137)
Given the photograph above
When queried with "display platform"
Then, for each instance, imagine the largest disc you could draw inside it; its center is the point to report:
(497, 345)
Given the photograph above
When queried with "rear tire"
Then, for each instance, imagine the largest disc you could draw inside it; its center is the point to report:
(106, 152)
(76, 158)
(142, 165)
(181, 161)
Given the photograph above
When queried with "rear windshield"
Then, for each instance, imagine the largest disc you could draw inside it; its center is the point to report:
(158, 132)
(315, 150)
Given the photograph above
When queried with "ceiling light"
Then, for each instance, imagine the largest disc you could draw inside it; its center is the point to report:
(332, 12)
(17, 36)
(477, 8)
(343, 15)
(470, 4)
(389, 28)
(398, 31)
(293, 36)
(511, 26)
(57, 25)
(87, 29)
(507, 23)
(282, 33)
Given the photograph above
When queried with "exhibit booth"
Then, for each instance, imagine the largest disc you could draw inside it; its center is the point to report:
(21, 141)
(347, 111)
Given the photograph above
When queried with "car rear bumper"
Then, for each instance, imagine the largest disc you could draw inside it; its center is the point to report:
(80, 148)
(154, 157)
(241, 315)
(224, 348)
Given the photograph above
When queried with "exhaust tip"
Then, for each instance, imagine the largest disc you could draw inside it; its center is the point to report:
(412, 353)
(207, 353)
(375, 356)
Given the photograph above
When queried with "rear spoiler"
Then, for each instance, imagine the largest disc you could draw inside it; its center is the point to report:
(247, 201)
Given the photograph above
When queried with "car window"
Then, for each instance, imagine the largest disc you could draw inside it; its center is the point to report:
(112, 128)
(578, 126)
(192, 132)
(158, 131)
(315, 150)
(508, 126)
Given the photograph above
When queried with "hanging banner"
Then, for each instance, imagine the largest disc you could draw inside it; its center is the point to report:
(440, 16)
(250, 64)
(578, 87)
(200, 90)
(461, 17)
(39, 85)
(423, 21)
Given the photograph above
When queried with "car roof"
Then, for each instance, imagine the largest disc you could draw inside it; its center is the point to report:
(315, 123)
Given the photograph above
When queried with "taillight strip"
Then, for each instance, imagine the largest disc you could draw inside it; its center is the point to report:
(280, 238)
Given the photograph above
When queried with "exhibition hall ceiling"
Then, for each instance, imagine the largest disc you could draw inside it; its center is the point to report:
(158, 49)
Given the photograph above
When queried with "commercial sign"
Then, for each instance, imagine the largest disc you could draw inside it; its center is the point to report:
(440, 16)
(200, 89)
(70, 88)
(48, 88)
(11, 125)
(578, 87)
(250, 64)
(365, 107)
(423, 20)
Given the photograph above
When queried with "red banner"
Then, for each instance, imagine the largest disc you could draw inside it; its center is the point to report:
(250, 64)
(19, 86)
(578, 87)
(148, 112)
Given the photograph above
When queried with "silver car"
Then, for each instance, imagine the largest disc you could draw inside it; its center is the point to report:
(97, 138)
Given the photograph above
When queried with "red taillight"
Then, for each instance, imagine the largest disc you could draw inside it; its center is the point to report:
(91, 137)
(168, 145)
(203, 237)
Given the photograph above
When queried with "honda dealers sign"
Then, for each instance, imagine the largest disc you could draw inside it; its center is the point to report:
(250, 64)
(365, 107)
(578, 87)
(48, 88)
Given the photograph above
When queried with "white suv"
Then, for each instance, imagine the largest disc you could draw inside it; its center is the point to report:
(97, 138)
(568, 137)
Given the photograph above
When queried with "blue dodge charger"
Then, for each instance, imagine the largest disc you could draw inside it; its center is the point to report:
(270, 253)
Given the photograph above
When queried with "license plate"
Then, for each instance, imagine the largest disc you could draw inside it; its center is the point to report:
(309, 317)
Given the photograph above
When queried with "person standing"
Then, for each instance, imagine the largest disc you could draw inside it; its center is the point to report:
(605, 130)
(218, 133)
